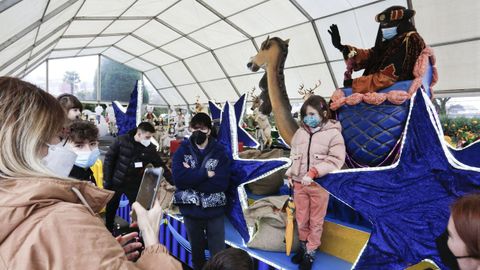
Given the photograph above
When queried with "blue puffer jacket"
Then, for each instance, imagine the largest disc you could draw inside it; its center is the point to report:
(196, 179)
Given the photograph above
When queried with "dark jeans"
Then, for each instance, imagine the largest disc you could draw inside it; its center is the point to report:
(203, 231)
(112, 205)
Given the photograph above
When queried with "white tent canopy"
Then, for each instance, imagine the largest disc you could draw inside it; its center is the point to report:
(189, 49)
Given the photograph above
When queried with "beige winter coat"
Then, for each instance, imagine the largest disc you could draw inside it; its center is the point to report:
(44, 225)
(322, 152)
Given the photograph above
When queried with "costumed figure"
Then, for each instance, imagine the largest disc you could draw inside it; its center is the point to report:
(398, 65)
(111, 120)
(169, 135)
(159, 133)
(180, 127)
(161, 121)
(198, 106)
(262, 124)
(393, 57)
(150, 115)
(317, 149)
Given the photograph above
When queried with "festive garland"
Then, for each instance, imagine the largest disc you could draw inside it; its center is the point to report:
(396, 97)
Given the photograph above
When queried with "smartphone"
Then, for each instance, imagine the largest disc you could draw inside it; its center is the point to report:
(148, 189)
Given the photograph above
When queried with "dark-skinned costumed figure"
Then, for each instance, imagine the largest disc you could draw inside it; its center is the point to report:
(393, 57)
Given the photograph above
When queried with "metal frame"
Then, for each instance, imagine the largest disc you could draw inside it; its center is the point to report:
(319, 40)
(156, 66)
(158, 92)
(28, 65)
(196, 80)
(6, 4)
(39, 22)
(174, 87)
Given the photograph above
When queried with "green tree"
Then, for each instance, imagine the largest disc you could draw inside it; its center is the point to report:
(72, 79)
(118, 81)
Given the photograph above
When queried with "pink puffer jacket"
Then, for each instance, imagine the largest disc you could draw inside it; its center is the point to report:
(317, 154)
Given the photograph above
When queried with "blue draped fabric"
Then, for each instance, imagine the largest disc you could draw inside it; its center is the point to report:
(242, 171)
(468, 155)
(407, 202)
(243, 135)
(215, 112)
(127, 121)
(239, 107)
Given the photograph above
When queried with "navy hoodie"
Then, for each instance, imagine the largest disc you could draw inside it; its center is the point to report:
(196, 177)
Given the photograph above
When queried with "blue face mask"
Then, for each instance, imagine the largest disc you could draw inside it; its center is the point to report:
(389, 33)
(87, 159)
(311, 121)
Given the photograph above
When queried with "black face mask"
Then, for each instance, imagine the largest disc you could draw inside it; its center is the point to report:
(198, 137)
(447, 257)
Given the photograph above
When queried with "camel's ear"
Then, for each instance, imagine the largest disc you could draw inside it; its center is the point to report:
(268, 39)
(287, 41)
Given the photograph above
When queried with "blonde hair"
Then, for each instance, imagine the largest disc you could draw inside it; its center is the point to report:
(29, 119)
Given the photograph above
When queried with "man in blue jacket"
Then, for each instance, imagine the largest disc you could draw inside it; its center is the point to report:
(201, 173)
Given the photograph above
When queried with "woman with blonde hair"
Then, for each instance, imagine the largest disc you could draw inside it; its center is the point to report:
(50, 222)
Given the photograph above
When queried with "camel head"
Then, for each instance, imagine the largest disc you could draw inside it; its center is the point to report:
(269, 50)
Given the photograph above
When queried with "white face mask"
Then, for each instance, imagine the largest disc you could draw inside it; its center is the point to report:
(59, 160)
(389, 33)
(145, 143)
(86, 159)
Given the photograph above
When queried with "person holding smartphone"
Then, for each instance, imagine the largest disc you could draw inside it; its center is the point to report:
(50, 221)
(125, 163)
(201, 173)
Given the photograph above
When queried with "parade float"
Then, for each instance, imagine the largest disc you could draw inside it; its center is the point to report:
(403, 176)
(389, 205)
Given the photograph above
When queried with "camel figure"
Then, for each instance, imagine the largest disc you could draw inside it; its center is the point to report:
(271, 57)
(262, 121)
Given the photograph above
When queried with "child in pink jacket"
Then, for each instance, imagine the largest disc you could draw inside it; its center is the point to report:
(317, 149)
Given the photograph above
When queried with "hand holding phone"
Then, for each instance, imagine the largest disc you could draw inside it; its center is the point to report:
(149, 222)
(148, 189)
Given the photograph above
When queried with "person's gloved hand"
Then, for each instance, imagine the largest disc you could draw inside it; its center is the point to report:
(148, 222)
(348, 83)
(336, 40)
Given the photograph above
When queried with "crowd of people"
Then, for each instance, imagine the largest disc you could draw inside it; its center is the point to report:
(50, 199)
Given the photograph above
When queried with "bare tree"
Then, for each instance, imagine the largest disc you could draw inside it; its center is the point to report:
(441, 105)
(73, 79)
